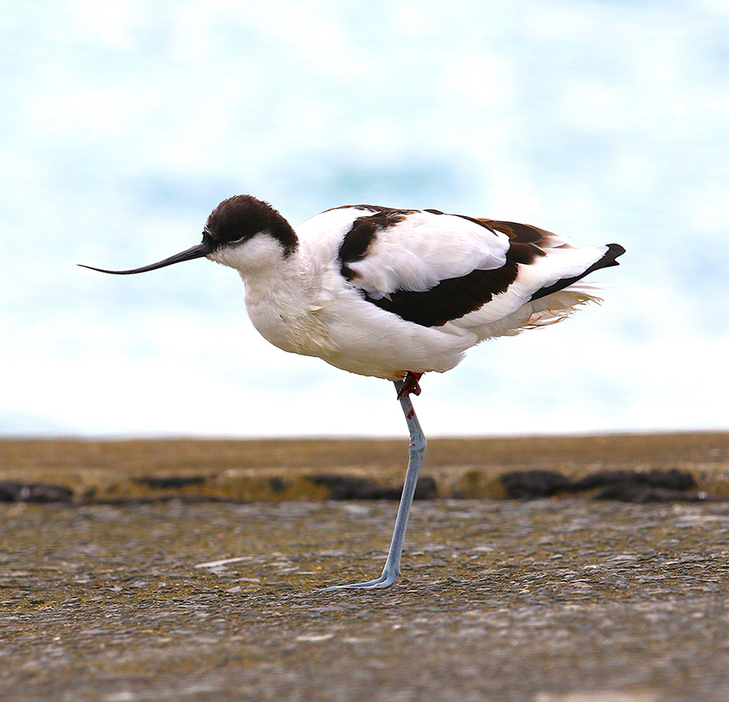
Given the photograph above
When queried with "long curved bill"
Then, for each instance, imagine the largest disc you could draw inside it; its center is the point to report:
(198, 251)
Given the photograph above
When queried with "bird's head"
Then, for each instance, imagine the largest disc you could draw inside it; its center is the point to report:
(231, 237)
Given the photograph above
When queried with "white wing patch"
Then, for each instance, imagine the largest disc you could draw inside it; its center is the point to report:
(422, 250)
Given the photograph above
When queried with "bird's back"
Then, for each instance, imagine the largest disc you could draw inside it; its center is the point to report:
(432, 269)
(424, 285)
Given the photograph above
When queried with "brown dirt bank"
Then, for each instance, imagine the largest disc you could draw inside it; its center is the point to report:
(295, 469)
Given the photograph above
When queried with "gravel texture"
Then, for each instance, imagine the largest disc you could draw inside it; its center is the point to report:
(550, 600)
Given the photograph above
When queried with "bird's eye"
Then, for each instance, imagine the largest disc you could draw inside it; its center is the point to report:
(239, 240)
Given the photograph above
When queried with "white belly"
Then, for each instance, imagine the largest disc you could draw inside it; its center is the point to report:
(352, 334)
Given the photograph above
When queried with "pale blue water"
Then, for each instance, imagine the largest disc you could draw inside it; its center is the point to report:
(122, 124)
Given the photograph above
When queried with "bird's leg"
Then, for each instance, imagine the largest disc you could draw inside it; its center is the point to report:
(391, 571)
(409, 385)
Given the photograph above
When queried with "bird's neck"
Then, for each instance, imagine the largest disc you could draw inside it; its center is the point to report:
(269, 272)
(280, 295)
(274, 275)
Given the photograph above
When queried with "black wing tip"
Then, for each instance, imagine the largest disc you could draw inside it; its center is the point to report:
(609, 259)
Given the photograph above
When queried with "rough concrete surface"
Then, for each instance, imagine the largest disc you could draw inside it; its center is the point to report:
(548, 600)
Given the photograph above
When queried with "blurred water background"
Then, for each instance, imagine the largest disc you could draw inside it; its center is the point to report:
(123, 123)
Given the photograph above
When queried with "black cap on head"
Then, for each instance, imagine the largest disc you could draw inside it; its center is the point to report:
(243, 216)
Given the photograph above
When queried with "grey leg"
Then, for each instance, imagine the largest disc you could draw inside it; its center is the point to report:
(391, 571)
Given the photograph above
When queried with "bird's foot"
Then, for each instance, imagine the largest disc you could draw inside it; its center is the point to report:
(385, 580)
(410, 385)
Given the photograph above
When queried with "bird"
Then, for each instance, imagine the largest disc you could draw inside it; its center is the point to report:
(393, 293)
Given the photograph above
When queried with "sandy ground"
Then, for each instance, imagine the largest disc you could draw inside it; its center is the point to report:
(569, 599)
